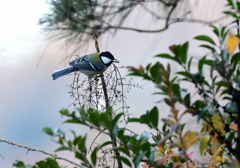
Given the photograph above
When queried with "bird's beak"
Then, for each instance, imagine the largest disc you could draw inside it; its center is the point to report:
(116, 61)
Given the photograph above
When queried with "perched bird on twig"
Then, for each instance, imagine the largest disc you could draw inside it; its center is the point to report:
(90, 65)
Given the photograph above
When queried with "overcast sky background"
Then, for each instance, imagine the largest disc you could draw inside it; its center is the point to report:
(30, 99)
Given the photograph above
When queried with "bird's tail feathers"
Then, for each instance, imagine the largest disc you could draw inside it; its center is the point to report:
(62, 72)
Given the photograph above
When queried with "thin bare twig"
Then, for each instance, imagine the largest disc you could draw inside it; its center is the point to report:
(183, 18)
(40, 150)
(2, 156)
(102, 79)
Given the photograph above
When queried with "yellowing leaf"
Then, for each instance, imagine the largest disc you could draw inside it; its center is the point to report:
(141, 68)
(172, 47)
(204, 144)
(218, 159)
(168, 122)
(206, 127)
(215, 145)
(190, 138)
(232, 42)
(218, 124)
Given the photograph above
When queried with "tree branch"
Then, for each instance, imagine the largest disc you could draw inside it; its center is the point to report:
(41, 151)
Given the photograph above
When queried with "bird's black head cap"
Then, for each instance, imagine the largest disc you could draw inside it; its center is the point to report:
(107, 58)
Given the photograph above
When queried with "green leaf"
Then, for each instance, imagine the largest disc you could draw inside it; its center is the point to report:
(208, 47)
(75, 121)
(124, 150)
(116, 118)
(105, 120)
(50, 163)
(155, 72)
(204, 110)
(189, 63)
(184, 73)
(48, 131)
(139, 157)
(215, 30)
(120, 133)
(81, 144)
(152, 155)
(145, 147)
(79, 156)
(165, 56)
(205, 38)
(235, 59)
(134, 120)
(41, 164)
(64, 112)
(94, 156)
(115, 130)
(233, 14)
(105, 144)
(153, 115)
(145, 119)
(230, 137)
(124, 160)
(63, 148)
(232, 107)
(73, 132)
(204, 144)
(94, 118)
(183, 52)
(19, 164)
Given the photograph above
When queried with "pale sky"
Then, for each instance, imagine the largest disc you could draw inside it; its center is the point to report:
(30, 99)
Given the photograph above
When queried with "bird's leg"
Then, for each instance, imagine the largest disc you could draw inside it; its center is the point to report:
(97, 76)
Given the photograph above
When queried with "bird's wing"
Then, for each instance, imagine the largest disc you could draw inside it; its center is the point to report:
(84, 64)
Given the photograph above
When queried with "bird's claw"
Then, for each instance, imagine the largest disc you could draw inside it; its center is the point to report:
(97, 76)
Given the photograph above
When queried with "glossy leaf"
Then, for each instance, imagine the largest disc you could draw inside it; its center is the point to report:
(64, 112)
(208, 47)
(116, 118)
(155, 72)
(233, 14)
(165, 56)
(183, 52)
(124, 160)
(124, 150)
(204, 110)
(205, 38)
(204, 144)
(51, 163)
(215, 30)
(153, 115)
(232, 107)
(235, 59)
(94, 156)
(105, 120)
(62, 148)
(190, 63)
(48, 131)
(94, 118)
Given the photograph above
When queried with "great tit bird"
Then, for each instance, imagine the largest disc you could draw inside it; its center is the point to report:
(90, 65)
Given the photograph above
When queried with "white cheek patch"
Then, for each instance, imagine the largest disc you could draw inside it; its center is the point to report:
(106, 60)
